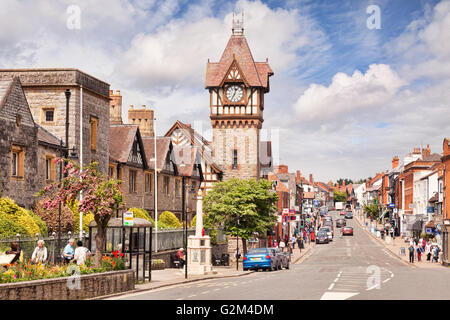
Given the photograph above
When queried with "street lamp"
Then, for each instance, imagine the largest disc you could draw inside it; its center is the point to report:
(184, 218)
(237, 245)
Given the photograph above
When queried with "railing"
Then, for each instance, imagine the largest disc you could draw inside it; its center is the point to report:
(167, 240)
(27, 244)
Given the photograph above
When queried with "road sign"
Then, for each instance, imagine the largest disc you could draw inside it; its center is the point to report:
(128, 219)
(429, 231)
(285, 210)
(391, 205)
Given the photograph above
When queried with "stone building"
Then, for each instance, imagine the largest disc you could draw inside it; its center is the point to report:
(45, 93)
(115, 107)
(27, 150)
(144, 118)
(237, 85)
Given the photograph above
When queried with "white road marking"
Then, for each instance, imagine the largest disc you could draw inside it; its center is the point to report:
(387, 280)
(331, 286)
(349, 252)
(338, 295)
(205, 292)
(192, 295)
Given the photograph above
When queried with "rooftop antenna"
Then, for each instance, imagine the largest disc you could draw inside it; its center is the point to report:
(238, 25)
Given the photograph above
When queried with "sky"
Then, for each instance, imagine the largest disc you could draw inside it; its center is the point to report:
(355, 82)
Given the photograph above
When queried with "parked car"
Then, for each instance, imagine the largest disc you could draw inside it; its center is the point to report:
(328, 231)
(327, 223)
(261, 258)
(348, 215)
(347, 231)
(322, 237)
(341, 223)
(342, 213)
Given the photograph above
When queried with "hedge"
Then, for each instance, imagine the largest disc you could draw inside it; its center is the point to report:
(170, 220)
(29, 223)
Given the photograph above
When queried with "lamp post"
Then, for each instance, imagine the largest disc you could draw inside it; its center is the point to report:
(237, 245)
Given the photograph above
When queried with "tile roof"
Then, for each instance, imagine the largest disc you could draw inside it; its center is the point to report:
(433, 157)
(47, 137)
(185, 158)
(5, 86)
(237, 49)
(121, 138)
(162, 148)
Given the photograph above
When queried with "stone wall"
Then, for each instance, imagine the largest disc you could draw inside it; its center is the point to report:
(92, 285)
(18, 131)
(246, 140)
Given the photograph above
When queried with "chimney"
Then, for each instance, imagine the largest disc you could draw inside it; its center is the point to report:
(343, 183)
(299, 176)
(446, 147)
(416, 151)
(395, 162)
(282, 168)
(311, 178)
(426, 152)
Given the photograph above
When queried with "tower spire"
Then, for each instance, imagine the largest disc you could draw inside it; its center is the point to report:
(238, 25)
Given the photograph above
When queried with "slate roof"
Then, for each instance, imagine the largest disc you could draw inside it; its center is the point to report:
(5, 86)
(162, 148)
(121, 138)
(433, 157)
(255, 74)
(185, 158)
(47, 137)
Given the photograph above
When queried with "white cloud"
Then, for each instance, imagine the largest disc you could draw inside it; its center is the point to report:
(348, 94)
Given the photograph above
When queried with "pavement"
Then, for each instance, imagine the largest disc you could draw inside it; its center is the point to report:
(171, 276)
(350, 267)
(394, 246)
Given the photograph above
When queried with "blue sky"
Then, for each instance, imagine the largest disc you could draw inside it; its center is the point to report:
(344, 99)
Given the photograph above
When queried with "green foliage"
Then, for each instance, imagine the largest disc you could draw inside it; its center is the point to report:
(168, 220)
(39, 222)
(10, 228)
(194, 221)
(371, 210)
(247, 200)
(26, 222)
(340, 196)
(87, 217)
(143, 214)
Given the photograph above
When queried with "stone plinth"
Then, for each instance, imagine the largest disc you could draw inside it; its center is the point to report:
(199, 255)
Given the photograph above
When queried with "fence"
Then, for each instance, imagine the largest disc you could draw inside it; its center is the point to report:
(27, 244)
(167, 240)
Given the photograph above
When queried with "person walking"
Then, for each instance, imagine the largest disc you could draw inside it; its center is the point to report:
(81, 253)
(293, 242)
(428, 251)
(69, 251)
(419, 253)
(282, 245)
(299, 242)
(411, 253)
(40, 253)
(436, 254)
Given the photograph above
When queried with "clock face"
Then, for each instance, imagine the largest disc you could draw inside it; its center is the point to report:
(235, 93)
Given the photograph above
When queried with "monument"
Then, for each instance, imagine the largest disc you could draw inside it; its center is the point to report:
(199, 246)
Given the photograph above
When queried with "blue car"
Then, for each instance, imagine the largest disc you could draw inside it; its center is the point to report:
(260, 258)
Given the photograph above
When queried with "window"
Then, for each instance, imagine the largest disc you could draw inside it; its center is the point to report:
(94, 126)
(235, 159)
(49, 169)
(111, 172)
(166, 185)
(14, 164)
(17, 162)
(148, 182)
(177, 188)
(48, 115)
(119, 177)
(133, 176)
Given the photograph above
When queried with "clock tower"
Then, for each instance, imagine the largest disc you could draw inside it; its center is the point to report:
(237, 85)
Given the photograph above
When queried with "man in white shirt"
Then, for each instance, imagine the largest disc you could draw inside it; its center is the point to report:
(81, 253)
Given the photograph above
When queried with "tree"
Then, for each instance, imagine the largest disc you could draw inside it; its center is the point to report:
(247, 200)
(340, 196)
(372, 210)
(101, 196)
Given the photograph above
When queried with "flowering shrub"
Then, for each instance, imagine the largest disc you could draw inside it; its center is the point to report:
(25, 271)
(113, 262)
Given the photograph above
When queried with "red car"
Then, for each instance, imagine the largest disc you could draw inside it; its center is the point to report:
(347, 231)
(342, 213)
